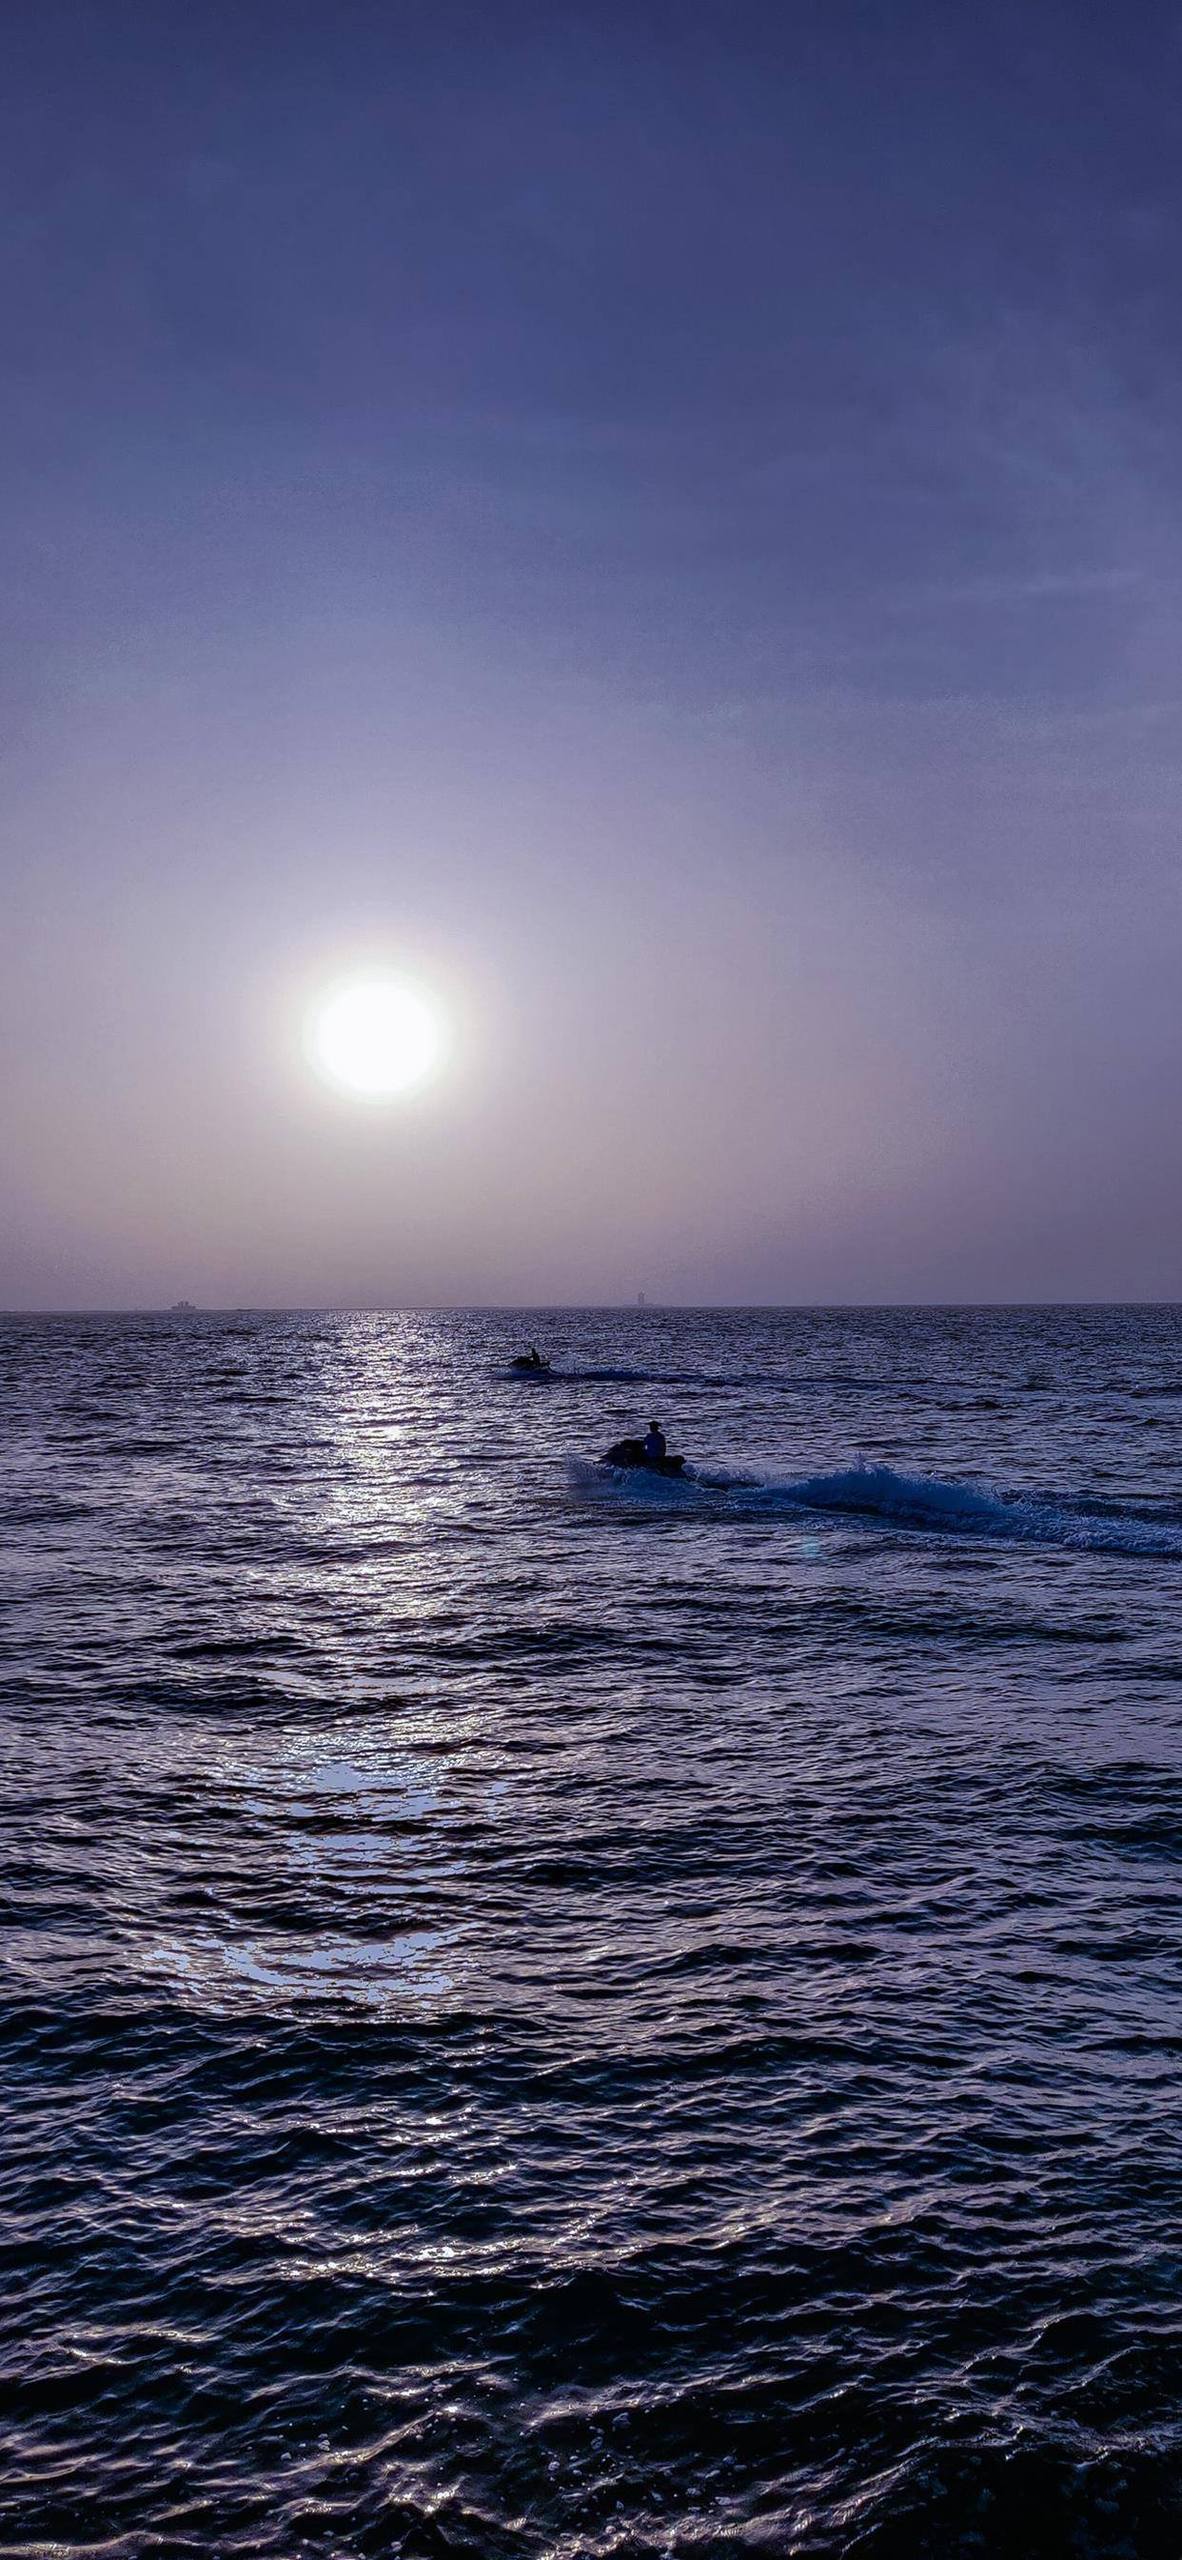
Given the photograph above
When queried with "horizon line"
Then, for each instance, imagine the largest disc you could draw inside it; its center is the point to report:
(596, 1306)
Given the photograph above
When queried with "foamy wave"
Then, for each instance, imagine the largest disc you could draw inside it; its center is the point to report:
(585, 1377)
(808, 1382)
(613, 1377)
(927, 1503)
(934, 1503)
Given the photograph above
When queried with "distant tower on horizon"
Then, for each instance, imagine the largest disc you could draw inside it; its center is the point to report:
(641, 1300)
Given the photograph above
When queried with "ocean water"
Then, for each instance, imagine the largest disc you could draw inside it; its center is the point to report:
(551, 2015)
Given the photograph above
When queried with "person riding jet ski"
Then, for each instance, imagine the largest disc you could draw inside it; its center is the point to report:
(531, 1359)
(650, 1455)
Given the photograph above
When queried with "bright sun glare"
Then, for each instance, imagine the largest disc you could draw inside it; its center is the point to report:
(376, 1037)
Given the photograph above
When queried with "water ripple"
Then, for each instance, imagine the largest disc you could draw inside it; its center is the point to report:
(549, 2017)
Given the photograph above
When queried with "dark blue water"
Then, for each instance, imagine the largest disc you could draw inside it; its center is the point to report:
(551, 2016)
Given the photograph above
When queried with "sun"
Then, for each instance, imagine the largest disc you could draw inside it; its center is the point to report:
(376, 1037)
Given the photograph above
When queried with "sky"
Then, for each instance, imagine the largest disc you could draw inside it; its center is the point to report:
(662, 526)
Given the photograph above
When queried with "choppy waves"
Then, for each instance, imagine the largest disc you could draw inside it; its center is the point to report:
(635, 2027)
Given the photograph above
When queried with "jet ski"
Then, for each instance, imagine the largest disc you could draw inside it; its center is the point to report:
(630, 1453)
(530, 1364)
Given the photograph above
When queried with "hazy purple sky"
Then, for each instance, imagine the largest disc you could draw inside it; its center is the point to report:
(666, 525)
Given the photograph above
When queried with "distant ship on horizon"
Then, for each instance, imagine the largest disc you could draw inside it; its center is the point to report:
(182, 1307)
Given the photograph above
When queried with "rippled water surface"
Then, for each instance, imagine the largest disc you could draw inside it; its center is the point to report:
(551, 2014)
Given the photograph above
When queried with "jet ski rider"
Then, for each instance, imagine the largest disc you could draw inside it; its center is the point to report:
(655, 1443)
